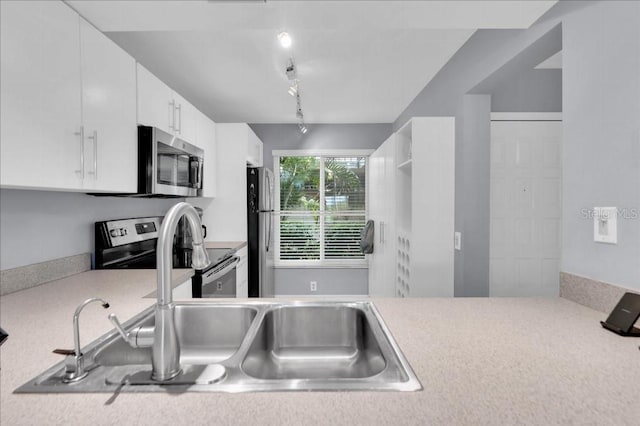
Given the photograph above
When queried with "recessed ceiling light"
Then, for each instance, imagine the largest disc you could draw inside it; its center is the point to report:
(285, 39)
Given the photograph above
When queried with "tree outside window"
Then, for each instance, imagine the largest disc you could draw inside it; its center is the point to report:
(322, 208)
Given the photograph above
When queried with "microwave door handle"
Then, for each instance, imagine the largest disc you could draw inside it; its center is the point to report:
(194, 172)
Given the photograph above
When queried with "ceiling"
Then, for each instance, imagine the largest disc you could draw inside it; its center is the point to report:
(358, 61)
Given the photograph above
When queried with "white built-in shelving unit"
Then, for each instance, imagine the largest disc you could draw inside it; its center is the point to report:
(418, 244)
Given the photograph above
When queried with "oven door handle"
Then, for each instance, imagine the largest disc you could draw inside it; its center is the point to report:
(218, 273)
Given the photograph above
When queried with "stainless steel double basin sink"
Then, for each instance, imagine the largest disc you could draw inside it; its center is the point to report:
(251, 347)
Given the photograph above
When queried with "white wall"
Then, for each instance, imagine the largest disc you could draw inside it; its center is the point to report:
(37, 226)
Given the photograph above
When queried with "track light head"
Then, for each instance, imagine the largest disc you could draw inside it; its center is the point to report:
(293, 89)
(291, 71)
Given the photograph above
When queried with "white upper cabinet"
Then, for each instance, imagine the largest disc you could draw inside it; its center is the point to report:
(254, 149)
(206, 137)
(229, 207)
(68, 102)
(161, 107)
(109, 113)
(186, 120)
(40, 96)
(155, 102)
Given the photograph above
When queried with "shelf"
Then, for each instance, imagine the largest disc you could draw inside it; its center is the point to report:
(405, 165)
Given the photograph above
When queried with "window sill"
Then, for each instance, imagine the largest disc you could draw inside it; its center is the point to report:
(323, 265)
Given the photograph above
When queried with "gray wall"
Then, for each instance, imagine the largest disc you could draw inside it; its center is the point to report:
(38, 226)
(321, 136)
(601, 141)
(531, 90)
(473, 137)
(295, 281)
(491, 62)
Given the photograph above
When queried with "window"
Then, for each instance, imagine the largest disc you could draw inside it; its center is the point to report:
(322, 208)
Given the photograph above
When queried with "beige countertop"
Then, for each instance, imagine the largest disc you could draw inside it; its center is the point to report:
(236, 245)
(480, 361)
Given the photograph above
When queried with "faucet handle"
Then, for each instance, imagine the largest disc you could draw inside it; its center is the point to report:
(125, 336)
(139, 337)
(64, 351)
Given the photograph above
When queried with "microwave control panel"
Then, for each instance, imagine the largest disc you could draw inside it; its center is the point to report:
(127, 231)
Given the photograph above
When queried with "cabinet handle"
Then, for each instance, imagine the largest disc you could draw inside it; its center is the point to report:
(95, 154)
(381, 232)
(172, 115)
(81, 134)
(179, 129)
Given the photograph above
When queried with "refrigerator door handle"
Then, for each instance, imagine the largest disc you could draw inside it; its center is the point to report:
(268, 242)
(269, 207)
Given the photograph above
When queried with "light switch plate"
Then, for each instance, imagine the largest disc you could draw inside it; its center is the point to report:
(457, 240)
(605, 225)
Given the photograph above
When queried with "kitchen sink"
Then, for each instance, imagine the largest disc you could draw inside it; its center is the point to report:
(207, 334)
(314, 342)
(250, 347)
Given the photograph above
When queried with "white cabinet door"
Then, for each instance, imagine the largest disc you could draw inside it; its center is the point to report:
(186, 124)
(40, 102)
(108, 112)
(382, 210)
(206, 138)
(254, 149)
(156, 106)
(388, 236)
(376, 213)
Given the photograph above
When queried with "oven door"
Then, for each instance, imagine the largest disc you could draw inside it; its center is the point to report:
(219, 281)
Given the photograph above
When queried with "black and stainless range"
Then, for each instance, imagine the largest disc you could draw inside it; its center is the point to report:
(131, 244)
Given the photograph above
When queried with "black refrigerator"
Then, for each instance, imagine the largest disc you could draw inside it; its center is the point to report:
(260, 231)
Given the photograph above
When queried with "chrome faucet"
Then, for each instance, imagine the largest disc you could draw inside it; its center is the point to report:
(162, 337)
(75, 368)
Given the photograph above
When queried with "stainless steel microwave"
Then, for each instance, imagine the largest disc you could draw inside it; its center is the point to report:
(167, 165)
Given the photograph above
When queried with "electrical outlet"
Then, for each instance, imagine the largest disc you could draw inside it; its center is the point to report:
(219, 285)
(457, 240)
(605, 228)
(313, 285)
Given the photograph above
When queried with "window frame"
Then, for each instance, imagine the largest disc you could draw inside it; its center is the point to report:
(323, 153)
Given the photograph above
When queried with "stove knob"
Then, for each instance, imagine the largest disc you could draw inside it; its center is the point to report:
(124, 231)
(115, 232)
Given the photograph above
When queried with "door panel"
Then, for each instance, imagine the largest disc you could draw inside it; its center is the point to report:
(40, 104)
(525, 207)
(109, 113)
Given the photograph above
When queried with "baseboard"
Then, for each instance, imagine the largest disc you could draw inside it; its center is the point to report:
(594, 294)
(24, 277)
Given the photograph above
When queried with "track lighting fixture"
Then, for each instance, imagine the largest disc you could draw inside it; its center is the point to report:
(294, 90)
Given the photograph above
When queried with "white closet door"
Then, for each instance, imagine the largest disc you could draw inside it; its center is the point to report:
(526, 171)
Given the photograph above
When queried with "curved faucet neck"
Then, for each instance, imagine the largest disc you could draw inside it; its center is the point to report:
(165, 247)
